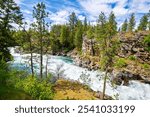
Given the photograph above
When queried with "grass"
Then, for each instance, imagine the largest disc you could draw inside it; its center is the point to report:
(120, 63)
(67, 90)
(9, 93)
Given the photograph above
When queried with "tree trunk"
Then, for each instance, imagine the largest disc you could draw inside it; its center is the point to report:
(31, 52)
(46, 67)
(104, 85)
(41, 60)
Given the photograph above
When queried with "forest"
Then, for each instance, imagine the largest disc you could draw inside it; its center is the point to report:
(107, 51)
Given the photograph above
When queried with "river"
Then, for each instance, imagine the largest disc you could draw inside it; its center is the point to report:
(134, 91)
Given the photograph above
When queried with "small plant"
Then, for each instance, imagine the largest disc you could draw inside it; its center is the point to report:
(147, 43)
(120, 63)
(146, 66)
(131, 57)
(37, 89)
(85, 78)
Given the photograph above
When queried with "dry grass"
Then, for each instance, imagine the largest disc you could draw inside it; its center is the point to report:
(68, 90)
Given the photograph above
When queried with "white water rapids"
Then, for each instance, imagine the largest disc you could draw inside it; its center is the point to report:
(134, 91)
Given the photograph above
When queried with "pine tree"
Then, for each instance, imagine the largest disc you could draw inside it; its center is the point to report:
(9, 14)
(73, 21)
(124, 26)
(63, 35)
(112, 25)
(72, 25)
(100, 29)
(148, 20)
(40, 14)
(85, 25)
(27, 40)
(78, 36)
(90, 35)
(131, 23)
(107, 29)
(143, 23)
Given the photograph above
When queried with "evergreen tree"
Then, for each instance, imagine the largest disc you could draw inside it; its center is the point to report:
(55, 38)
(78, 36)
(85, 25)
(124, 26)
(100, 29)
(143, 23)
(131, 23)
(9, 14)
(63, 35)
(148, 20)
(72, 25)
(40, 14)
(73, 21)
(112, 25)
(108, 45)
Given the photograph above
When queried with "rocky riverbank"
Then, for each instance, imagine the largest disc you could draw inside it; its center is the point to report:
(131, 63)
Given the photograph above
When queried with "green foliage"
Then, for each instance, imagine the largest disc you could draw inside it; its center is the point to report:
(146, 66)
(78, 36)
(131, 57)
(124, 26)
(73, 21)
(147, 43)
(37, 89)
(4, 74)
(9, 14)
(108, 44)
(63, 35)
(143, 23)
(10, 93)
(120, 63)
(85, 25)
(90, 34)
(131, 23)
(40, 14)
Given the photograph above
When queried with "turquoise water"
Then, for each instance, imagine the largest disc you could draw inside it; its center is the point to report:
(136, 90)
(65, 59)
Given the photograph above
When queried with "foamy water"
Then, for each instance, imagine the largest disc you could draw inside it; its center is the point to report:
(134, 91)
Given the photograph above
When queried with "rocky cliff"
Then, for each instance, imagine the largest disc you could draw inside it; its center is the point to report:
(131, 63)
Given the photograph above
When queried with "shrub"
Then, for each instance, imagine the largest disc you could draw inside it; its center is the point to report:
(4, 74)
(146, 66)
(131, 57)
(120, 63)
(37, 89)
(147, 43)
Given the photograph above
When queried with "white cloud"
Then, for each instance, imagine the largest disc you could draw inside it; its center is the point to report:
(27, 11)
(94, 7)
(122, 8)
(59, 17)
(139, 6)
(81, 17)
(18, 1)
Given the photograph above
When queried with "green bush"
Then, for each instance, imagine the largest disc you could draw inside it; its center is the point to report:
(4, 74)
(120, 63)
(146, 66)
(147, 43)
(37, 89)
(131, 57)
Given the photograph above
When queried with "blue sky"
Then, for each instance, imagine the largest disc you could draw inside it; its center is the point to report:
(60, 9)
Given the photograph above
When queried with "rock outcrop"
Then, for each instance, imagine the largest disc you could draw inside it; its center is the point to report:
(131, 46)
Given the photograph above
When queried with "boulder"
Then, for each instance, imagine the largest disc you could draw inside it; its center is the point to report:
(123, 77)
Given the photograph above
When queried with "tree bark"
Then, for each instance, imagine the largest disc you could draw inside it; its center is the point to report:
(31, 52)
(104, 85)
